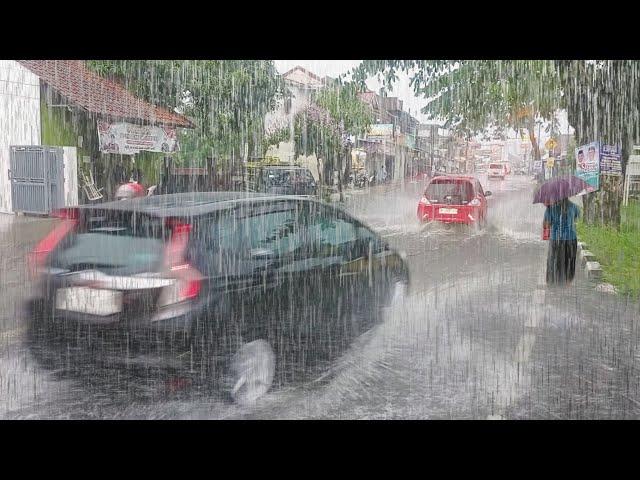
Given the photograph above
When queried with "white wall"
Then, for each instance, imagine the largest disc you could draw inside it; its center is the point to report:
(70, 159)
(19, 118)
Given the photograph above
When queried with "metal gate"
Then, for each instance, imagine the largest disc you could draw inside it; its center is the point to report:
(37, 179)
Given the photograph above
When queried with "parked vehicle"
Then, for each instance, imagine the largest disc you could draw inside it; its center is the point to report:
(480, 168)
(454, 199)
(184, 180)
(280, 179)
(497, 170)
(359, 179)
(243, 289)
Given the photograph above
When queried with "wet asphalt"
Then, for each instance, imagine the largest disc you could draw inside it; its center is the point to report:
(478, 336)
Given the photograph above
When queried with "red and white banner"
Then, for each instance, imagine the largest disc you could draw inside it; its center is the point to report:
(129, 139)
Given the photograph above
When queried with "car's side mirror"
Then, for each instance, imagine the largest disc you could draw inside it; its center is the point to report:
(487, 193)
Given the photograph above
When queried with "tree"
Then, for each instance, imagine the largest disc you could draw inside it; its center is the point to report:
(471, 95)
(602, 98)
(323, 128)
(317, 133)
(226, 99)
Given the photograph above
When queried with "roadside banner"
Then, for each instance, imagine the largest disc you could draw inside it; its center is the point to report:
(588, 165)
(128, 139)
(611, 160)
(381, 130)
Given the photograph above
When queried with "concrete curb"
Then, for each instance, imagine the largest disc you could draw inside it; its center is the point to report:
(593, 269)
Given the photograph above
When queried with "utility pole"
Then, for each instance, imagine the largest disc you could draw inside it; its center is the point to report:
(432, 140)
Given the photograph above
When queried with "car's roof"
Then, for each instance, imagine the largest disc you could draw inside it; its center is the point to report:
(454, 177)
(191, 204)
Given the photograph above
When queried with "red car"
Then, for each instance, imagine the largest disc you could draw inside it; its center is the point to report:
(454, 199)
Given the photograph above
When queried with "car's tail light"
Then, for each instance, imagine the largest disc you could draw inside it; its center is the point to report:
(425, 201)
(188, 280)
(475, 202)
(38, 257)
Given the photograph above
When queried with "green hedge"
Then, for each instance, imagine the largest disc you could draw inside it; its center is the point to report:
(618, 251)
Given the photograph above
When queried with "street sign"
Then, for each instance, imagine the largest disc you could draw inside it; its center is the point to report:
(550, 162)
(550, 144)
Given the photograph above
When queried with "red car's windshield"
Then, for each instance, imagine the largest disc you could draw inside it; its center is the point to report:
(450, 192)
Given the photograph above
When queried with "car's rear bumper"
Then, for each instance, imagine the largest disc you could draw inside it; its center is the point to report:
(169, 319)
(465, 215)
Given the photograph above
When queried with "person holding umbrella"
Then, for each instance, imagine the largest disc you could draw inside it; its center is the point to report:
(559, 221)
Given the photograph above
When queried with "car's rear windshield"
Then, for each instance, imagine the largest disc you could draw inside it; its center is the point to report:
(115, 242)
(454, 192)
(495, 165)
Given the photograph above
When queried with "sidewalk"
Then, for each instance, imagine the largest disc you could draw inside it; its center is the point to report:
(18, 235)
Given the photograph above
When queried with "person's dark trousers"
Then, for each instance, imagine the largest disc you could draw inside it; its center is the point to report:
(561, 261)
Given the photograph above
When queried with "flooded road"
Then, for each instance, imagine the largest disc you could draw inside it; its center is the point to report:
(478, 336)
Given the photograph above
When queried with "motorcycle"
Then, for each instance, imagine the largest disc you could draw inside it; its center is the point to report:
(358, 180)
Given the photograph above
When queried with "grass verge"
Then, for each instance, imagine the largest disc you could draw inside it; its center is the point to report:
(617, 251)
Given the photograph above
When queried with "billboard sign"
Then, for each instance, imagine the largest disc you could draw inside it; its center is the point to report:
(588, 165)
(611, 160)
(381, 130)
(128, 139)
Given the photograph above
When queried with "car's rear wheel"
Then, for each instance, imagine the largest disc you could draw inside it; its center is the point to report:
(251, 372)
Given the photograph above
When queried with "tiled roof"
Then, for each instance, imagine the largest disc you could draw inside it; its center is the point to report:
(302, 76)
(99, 95)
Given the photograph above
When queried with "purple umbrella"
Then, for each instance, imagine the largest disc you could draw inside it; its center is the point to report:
(556, 189)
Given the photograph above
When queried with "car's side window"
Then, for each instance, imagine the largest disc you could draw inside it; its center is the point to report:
(479, 189)
(271, 232)
(245, 234)
(330, 233)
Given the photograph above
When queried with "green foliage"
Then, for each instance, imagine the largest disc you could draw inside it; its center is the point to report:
(282, 134)
(618, 251)
(319, 136)
(471, 95)
(226, 99)
(346, 109)
(323, 128)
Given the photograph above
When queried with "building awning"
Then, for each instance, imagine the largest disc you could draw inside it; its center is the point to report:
(98, 95)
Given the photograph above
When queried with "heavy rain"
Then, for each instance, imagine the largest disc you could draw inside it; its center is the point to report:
(259, 239)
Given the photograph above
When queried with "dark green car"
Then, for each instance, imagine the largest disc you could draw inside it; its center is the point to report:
(238, 290)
